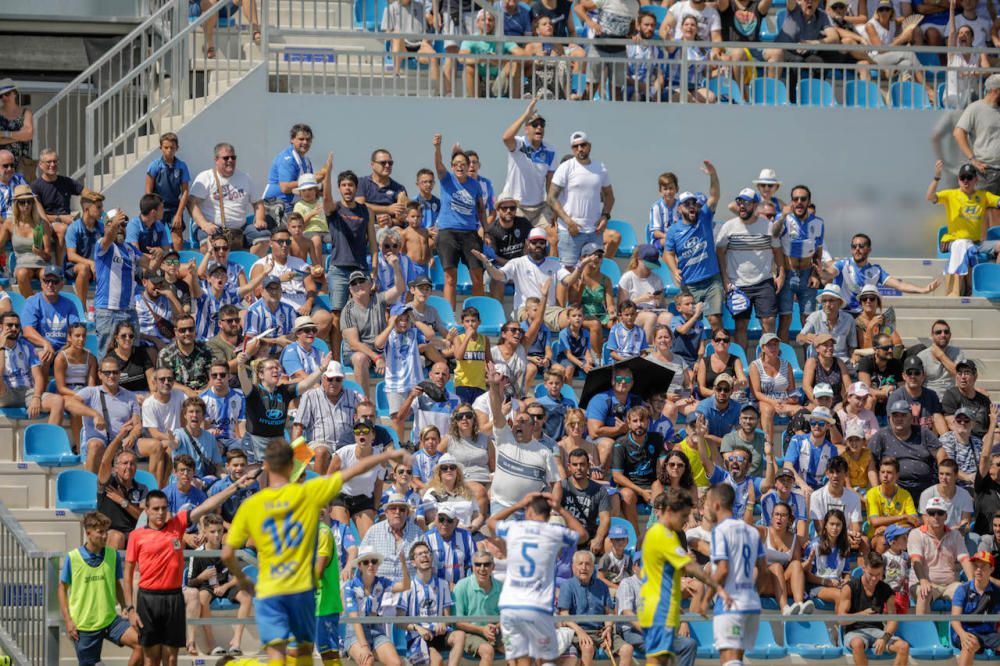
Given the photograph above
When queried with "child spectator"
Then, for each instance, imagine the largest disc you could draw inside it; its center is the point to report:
(538, 348)
(575, 349)
(625, 339)
(216, 293)
(429, 595)
(402, 474)
(555, 404)
(236, 465)
(208, 580)
(310, 208)
(169, 177)
(197, 442)
(404, 367)
(182, 494)
(663, 212)
(416, 239)
(897, 568)
(627, 603)
(861, 473)
(471, 350)
(430, 205)
(426, 457)
(688, 329)
(302, 248)
(616, 564)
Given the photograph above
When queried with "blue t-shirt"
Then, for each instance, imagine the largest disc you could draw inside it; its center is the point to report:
(82, 239)
(603, 406)
(429, 211)
(51, 320)
(294, 358)
(537, 348)
(720, 422)
(459, 210)
(973, 603)
(578, 345)
(694, 246)
(230, 506)
(204, 449)
(593, 599)
(286, 167)
(808, 460)
(143, 237)
(517, 24)
(555, 415)
(685, 345)
(167, 181)
(176, 500)
(376, 194)
(91, 560)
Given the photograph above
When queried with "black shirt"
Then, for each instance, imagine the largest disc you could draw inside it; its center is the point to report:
(861, 600)
(979, 405)
(121, 519)
(987, 495)
(509, 243)
(267, 412)
(586, 505)
(198, 564)
(638, 461)
(891, 376)
(133, 375)
(743, 28)
(925, 406)
(55, 196)
(561, 16)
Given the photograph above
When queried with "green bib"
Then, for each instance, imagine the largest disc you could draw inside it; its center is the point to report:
(328, 599)
(92, 591)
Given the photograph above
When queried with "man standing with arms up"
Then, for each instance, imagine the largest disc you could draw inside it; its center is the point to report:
(663, 560)
(530, 165)
(283, 521)
(736, 552)
(527, 623)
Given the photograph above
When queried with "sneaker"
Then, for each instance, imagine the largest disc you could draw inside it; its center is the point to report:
(794, 609)
(808, 607)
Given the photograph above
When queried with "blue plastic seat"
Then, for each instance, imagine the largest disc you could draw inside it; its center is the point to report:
(606, 355)
(464, 280)
(924, 641)
(769, 34)
(436, 275)
(701, 632)
(909, 95)
(986, 281)
(566, 392)
(16, 301)
(669, 288)
(381, 401)
(491, 314)
(766, 646)
(368, 14)
(629, 238)
(863, 94)
(245, 259)
(610, 268)
(810, 640)
(321, 346)
(76, 490)
(351, 385)
(815, 92)
(632, 537)
(765, 91)
(734, 348)
(48, 445)
(146, 479)
(658, 11)
(727, 90)
(788, 354)
(90, 344)
(188, 255)
(444, 310)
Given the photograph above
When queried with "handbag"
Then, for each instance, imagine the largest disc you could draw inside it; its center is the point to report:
(233, 236)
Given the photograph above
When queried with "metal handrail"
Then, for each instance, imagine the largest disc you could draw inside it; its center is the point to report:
(59, 122)
(29, 628)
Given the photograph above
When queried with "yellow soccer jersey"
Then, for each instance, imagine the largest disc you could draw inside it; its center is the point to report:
(663, 562)
(965, 213)
(900, 504)
(284, 524)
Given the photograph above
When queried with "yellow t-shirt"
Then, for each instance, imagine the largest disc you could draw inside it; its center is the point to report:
(318, 222)
(694, 460)
(470, 370)
(900, 504)
(284, 524)
(663, 559)
(857, 470)
(965, 213)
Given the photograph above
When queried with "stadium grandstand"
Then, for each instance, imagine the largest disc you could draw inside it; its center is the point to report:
(559, 332)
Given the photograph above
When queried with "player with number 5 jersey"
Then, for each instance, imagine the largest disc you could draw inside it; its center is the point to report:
(282, 520)
(527, 600)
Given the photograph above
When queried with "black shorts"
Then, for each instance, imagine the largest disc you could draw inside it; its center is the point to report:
(763, 300)
(991, 641)
(355, 503)
(162, 616)
(453, 245)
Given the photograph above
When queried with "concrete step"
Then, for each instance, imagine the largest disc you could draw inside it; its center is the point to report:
(53, 541)
(14, 497)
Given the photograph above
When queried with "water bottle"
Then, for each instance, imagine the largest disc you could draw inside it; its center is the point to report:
(213, 581)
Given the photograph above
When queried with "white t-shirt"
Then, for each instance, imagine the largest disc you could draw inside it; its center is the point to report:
(528, 278)
(980, 25)
(822, 501)
(482, 404)
(615, 16)
(957, 505)
(362, 484)
(164, 417)
(238, 192)
(521, 469)
(708, 17)
(532, 551)
(526, 171)
(738, 544)
(293, 292)
(750, 254)
(581, 192)
(634, 286)
(411, 18)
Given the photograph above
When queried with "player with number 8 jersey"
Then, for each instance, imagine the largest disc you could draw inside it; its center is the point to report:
(283, 522)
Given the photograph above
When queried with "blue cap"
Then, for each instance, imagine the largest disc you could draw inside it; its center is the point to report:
(399, 308)
(686, 196)
(590, 248)
(647, 252)
(617, 532)
(269, 280)
(52, 271)
(748, 194)
(894, 531)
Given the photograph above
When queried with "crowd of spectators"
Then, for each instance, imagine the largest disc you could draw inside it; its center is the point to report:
(201, 364)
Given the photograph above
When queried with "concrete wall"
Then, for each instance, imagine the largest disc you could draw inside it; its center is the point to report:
(868, 169)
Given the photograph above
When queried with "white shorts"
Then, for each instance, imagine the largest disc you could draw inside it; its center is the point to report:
(528, 633)
(735, 631)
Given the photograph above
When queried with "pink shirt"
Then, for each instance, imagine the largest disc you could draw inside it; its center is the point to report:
(941, 556)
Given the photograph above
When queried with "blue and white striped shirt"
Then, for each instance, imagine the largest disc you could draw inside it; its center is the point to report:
(207, 309)
(801, 238)
(661, 216)
(627, 342)
(224, 411)
(425, 600)
(116, 267)
(18, 362)
(404, 368)
(295, 358)
(358, 600)
(453, 556)
(260, 318)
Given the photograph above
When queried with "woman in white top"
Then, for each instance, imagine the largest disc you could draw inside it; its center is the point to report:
(643, 287)
(472, 449)
(357, 497)
(882, 29)
(784, 559)
(962, 79)
(772, 384)
(447, 486)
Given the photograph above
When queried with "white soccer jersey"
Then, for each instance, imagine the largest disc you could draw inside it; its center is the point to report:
(738, 544)
(532, 550)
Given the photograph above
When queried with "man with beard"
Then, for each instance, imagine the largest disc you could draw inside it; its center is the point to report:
(882, 372)
(751, 259)
(223, 345)
(530, 165)
(23, 378)
(507, 236)
(633, 462)
(587, 500)
(748, 489)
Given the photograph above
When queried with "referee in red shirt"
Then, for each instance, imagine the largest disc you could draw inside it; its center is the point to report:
(157, 610)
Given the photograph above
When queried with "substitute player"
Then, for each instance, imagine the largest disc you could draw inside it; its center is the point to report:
(283, 521)
(663, 560)
(527, 620)
(329, 605)
(736, 553)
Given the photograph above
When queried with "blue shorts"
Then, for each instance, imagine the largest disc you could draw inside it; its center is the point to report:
(658, 640)
(338, 286)
(88, 648)
(328, 633)
(374, 634)
(286, 616)
(571, 246)
(797, 286)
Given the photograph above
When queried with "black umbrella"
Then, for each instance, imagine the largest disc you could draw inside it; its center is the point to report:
(649, 378)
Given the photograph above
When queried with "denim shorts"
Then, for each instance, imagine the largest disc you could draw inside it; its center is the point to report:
(88, 648)
(339, 286)
(797, 287)
(570, 246)
(374, 634)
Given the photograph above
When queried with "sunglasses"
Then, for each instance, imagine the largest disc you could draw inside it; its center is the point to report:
(722, 341)
(227, 158)
(963, 420)
(362, 429)
(385, 163)
(865, 299)
(623, 379)
(127, 336)
(675, 465)
(220, 248)
(936, 514)
(506, 208)
(51, 281)
(942, 331)
(884, 347)
(189, 329)
(537, 123)
(446, 519)
(284, 242)
(358, 282)
(230, 320)
(859, 246)
(165, 379)
(391, 246)
(913, 373)
(309, 330)
(513, 331)
(218, 375)
(537, 417)
(800, 199)
(448, 468)
(967, 177)
(108, 373)
(817, 424)
(402, 470)
(737, 459)
(367, 563)
(482, 564)
(464, 416)
(723, 389)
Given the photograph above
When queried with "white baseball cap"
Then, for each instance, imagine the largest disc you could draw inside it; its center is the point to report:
(577, 137)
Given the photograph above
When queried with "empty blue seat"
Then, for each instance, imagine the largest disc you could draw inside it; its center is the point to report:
(810, 640)
(610, 268)
(76, 490)
(146, 479)
(701, 631)
(863, 94)
(245, 259)
(725, 89)
(464, 280)
(993, 233)
(765, 91)
(91, 345)
(188, 255)
(491, 314)
(16, 301)
(766, 646)
(629, 238)
(986, 281)
(769, 34)
(436, 275)
(381, 401)
(669, 288)
(48, 445)
(924, 641)
(909, 95)
(815, 92)
(444, 310)
(368, 14)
